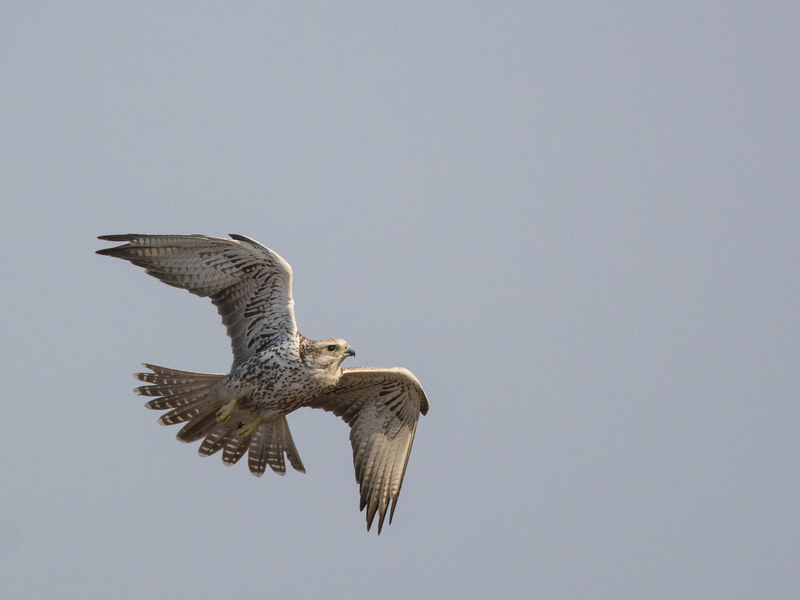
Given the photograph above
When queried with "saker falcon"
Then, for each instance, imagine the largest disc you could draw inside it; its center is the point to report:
(275, 369)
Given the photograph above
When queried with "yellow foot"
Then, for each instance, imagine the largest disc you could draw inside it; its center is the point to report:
(249, 428)
(224, 413)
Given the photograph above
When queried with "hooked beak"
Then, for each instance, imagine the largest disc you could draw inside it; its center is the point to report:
(349, 351)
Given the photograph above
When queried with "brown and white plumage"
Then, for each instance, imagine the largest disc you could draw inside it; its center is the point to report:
(250, 285)
(275, 369)
(382, 407)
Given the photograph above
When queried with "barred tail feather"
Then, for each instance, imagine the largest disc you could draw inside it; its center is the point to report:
(215, 440)
(199, 426)
(289, 447)
(268, 445)
(234, 449)
(191, 398)
(175, 388)
(189, 395)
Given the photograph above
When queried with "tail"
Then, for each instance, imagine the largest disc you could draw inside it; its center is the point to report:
(192, 399)
(268, 445)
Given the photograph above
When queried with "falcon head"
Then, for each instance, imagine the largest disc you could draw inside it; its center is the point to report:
(326, 354)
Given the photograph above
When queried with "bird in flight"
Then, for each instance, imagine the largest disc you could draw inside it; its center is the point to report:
(275, 370)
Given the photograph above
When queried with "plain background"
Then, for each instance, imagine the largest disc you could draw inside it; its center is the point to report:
(576, 223)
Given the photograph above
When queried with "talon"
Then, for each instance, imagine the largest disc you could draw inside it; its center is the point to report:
(249, 428)
(224, 413)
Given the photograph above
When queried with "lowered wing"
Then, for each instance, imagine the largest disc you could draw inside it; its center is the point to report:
(382, 408)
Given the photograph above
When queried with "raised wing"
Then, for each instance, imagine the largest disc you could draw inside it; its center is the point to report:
(382, 407)
(250, 285)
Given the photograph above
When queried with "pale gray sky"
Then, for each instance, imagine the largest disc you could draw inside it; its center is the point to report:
(578, 225)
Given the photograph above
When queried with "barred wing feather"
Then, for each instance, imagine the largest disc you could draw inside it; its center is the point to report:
(250, 285)
(382, 408)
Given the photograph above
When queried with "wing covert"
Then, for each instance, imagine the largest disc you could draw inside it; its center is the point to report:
(382, 408)
(250, 285)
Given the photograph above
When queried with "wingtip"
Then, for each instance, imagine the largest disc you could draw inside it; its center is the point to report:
(119, 237)
(123, 237)
(243, 238)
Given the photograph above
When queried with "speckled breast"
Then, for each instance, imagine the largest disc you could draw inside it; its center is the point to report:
(276, 380)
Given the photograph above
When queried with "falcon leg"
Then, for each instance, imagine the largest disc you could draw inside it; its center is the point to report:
(224, 413)
(249, 428)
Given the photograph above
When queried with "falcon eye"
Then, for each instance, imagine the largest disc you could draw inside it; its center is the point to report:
(331, 348)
